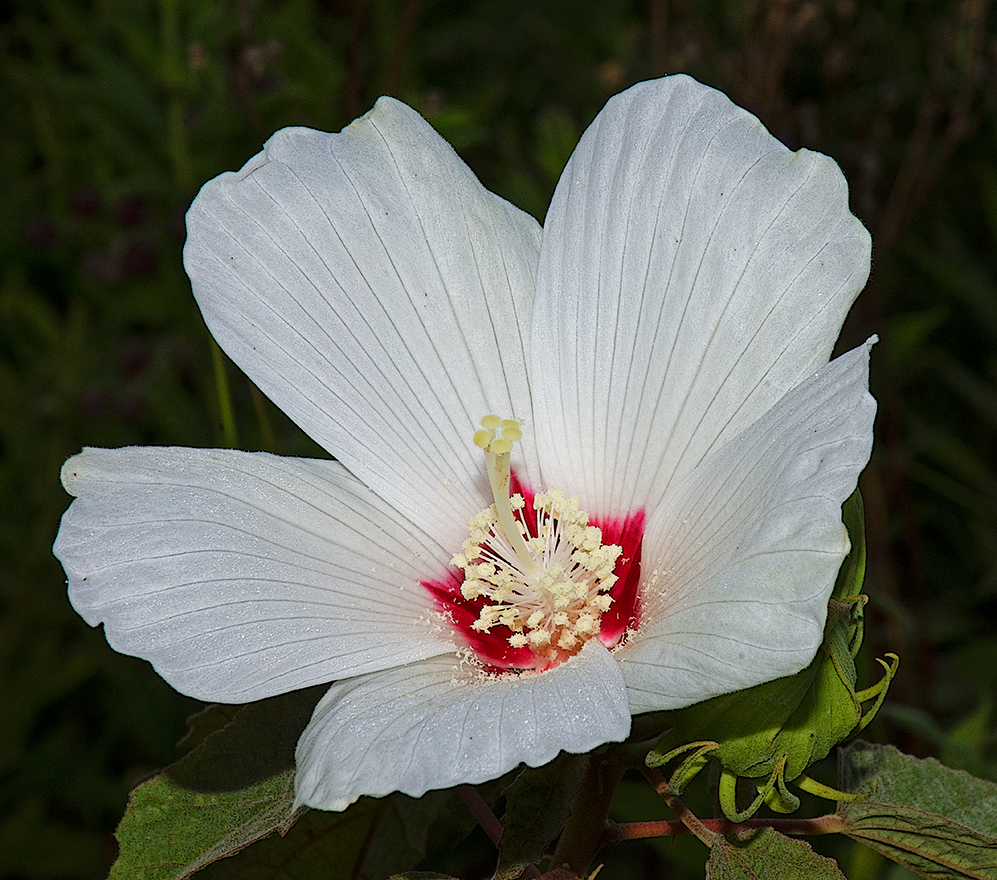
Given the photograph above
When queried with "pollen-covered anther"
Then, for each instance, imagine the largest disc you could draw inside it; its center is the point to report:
(544, 574)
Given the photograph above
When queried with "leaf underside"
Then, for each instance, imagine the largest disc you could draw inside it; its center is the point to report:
(938, 822)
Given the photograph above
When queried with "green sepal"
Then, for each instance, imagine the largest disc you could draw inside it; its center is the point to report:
(689, 768)
(727, 794)
(819, 789)
(779, 798)
(774, 731)
(878, 690)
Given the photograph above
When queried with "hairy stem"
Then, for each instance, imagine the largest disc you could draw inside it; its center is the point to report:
(482, 813)
(584, 833)
(829, 824)
(488, 821)
(686, 816)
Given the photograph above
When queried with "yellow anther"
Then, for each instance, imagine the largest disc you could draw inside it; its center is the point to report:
(482, 520)
(602, 602)
(568, 640)
(586, 623)
(544, 575)
(539, 637)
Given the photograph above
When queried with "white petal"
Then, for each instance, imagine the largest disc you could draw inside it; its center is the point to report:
(693, 270)
(242, 575)
(740, 559)
(380, 296)
(440, 723)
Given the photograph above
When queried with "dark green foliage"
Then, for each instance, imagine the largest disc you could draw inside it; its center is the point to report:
(936, 821)
(768, 855)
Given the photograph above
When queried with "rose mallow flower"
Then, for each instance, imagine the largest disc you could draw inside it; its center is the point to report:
(578, 472)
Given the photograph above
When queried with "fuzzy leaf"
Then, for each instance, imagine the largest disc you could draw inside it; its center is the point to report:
(537, 805)
(938, 822)
(170, 832)
(371, 840)
(235, 787)
(768, 855)
(421, 875)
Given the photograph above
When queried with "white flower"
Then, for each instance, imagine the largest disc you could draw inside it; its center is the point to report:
(663, 343)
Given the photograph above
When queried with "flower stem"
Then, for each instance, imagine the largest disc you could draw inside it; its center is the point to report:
(482, 813)
(686, 816)
(829, 824)
(488, 821)
(585, 831)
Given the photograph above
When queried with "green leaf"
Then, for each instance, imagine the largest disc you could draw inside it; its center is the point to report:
(938, 822)
(421, 875)
(798, 719)
(768, 855)
(537, 805)
(170, 832)
(372, 839)
(202, 724)
(235, 787)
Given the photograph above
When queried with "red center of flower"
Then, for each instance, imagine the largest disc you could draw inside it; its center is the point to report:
(505, 636)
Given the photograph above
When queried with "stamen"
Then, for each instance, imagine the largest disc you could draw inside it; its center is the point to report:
(545, 580)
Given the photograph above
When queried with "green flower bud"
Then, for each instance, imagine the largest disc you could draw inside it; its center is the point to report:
(771, 733)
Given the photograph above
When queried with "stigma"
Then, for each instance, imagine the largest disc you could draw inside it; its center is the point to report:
(543, 575)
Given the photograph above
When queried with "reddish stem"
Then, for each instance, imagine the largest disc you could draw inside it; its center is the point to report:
(482, 813)
(829, 824)
(687, 818)
(488, 821)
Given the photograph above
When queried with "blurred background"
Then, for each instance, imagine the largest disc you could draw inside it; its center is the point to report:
(114, 112)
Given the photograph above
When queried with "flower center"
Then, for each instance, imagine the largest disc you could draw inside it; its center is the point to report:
(543, 575)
